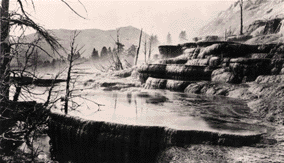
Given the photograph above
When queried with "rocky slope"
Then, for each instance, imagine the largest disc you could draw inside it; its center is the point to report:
(256, 14)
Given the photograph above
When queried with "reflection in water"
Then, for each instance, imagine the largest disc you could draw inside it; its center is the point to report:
(115, 101)
(163, 108)
(170, 109)
(129, 97)
(156, 99)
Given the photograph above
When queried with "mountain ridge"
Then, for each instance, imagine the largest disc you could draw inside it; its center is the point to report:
(92, 38)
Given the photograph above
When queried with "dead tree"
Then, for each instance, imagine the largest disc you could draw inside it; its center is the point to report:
(119, 46)
(150, 47)
(18, 18)
(136, 57)
(23, 118)
(4, 52)
(115, 57)
(71, 59)
(145, 49)
(241, 27)
(28, 61)
(150, 51)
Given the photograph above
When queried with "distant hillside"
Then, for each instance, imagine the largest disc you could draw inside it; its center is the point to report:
(93, 38)
(256, 14)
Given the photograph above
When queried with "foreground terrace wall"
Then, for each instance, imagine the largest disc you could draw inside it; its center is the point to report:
(78, 140)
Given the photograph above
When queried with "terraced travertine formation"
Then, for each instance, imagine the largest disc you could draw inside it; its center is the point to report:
(225, 62)
(250, 72)
(254, 73)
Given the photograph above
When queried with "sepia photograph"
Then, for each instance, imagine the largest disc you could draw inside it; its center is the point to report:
(127, 81)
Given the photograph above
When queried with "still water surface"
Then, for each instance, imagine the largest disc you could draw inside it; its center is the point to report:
(165, 108)
(137, 106)
(155, 108)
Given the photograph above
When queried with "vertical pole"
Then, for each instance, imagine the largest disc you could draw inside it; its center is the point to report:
(241, 6)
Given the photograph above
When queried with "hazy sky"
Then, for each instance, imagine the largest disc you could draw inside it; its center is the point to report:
(157, 17)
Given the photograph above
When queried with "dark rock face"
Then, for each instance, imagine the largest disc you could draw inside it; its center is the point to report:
(175, 71)
(169, 51)
(246, 69)
(272, 26)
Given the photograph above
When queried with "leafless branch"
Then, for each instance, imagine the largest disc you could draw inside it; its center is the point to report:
(73, 9)
(51, 40)
(89, 100)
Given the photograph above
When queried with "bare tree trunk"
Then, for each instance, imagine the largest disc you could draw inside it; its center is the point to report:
(150, 50)
(117, 57)
(4, 53)
(136, 58)
(68, 85)
(119, 62)
(241, 6)
(17, 93)
(145, 50)
(225, 34)
(68, 81)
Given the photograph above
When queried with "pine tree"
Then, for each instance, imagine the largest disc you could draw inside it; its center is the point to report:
(95, 54)
(104, 52)
(169, 38)
(182, 36)
(109, 52)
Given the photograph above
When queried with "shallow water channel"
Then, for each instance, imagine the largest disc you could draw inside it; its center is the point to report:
(160, 108)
